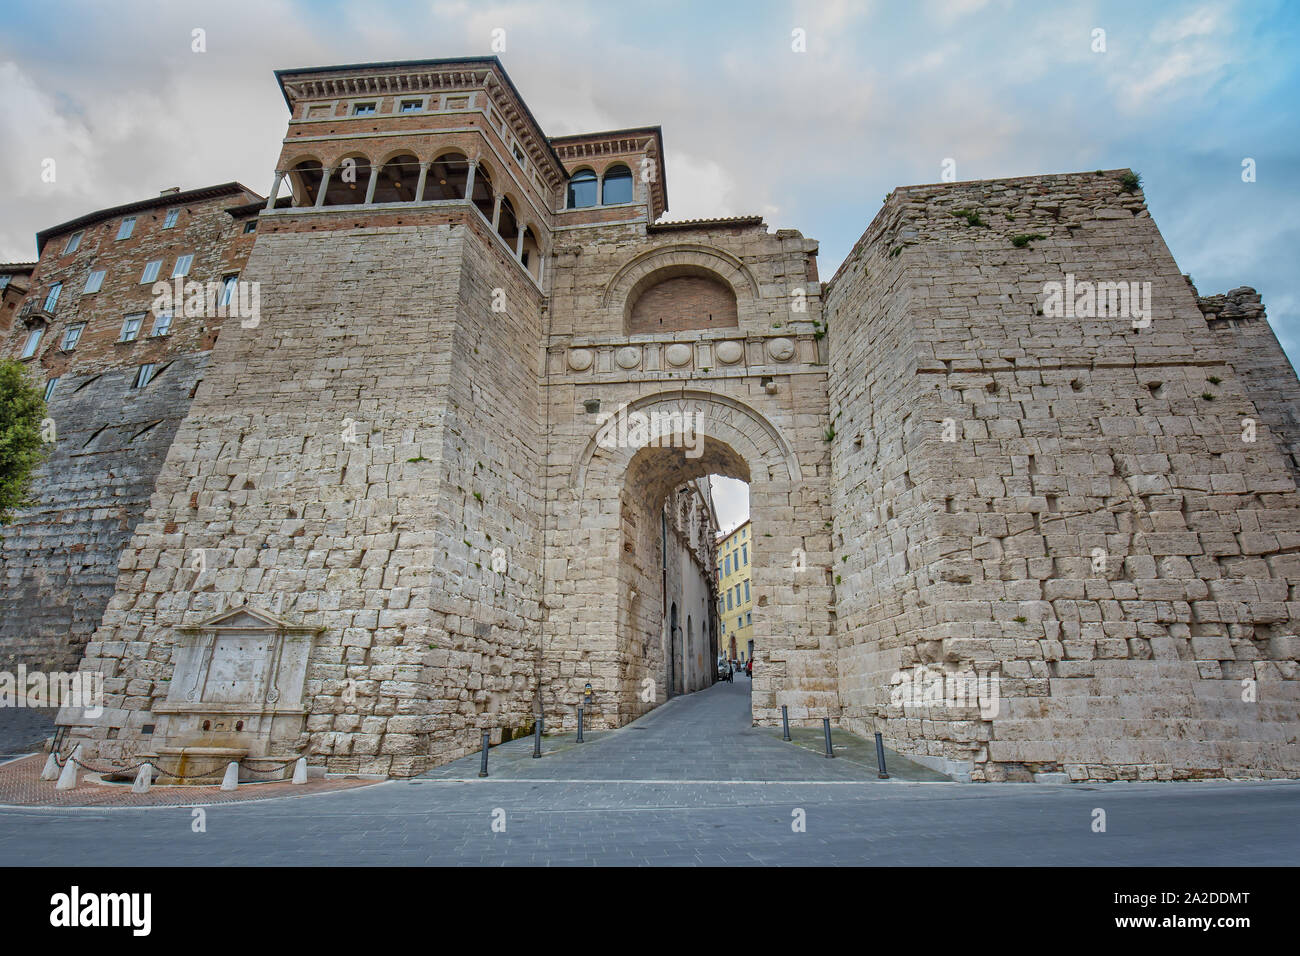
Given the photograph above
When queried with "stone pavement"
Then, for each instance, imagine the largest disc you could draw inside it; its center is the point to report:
(703, 736)
(624, 799)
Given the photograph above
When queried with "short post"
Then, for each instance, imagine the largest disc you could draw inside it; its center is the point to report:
(785, 722)
(579, 723)
(537, 737)
(880, 757)
(826, 727)
(300, 771)
(143, 779)
(231, 780)
(487, 742)
(51, 769)
(68, 776)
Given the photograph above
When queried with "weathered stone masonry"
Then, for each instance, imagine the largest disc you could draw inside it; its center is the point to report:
(1074, 438)
(411, 532)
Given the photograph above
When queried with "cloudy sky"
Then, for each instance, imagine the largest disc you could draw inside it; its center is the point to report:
(813, 140)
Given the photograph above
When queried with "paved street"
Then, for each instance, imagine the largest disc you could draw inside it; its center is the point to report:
(689, 784)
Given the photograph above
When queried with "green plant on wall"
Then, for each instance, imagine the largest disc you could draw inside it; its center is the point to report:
(22, 445)
(1025, 239)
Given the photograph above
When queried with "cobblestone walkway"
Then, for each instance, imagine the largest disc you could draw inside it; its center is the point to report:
(705, 736)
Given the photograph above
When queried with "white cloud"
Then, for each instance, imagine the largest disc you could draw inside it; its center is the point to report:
(703, 189)
(730, 501)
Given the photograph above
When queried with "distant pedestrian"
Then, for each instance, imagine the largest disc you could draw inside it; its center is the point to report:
(749, 668)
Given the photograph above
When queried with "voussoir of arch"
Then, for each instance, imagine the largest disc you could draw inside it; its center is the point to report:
(726, 266)
(770, 445)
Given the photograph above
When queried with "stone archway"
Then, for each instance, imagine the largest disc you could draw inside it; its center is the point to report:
(603, 617)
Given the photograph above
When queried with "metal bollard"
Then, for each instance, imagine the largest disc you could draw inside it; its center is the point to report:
(826, 726)
(880, 757)
(537, 737)
(487, 742)
(579, 725)
(785, 723)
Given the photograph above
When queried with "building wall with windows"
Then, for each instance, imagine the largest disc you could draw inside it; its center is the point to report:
(735, 593)
(118, 380)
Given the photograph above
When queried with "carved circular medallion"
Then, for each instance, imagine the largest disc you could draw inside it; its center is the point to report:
(729, 353)
(677, 355)
(628, 357)
(780, 349)
(580, 359)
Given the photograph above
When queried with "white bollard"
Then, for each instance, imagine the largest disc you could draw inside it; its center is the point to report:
(51, 769)
(300, 770)
(68, 776)
(143, 779)
(231, 779)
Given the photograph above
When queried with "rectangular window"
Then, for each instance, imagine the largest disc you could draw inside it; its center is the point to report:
(151, 270)
(74, 241)
(456, 103)
(412, 106)
(728, 563)
(4, 281)
(250, 227)
(71, 336)
(131, 327)
(128, 226)
(749, 618)
(33, 340)
(93, 282)
(227, 290)
(740, 622)
(142, 376)
(519, 154)
(737, 595)
(162, 324)
(730, 606)
(52, 297)
(746, 590)
(744, 553)
(172, 216)
(363, 109)
(49, 387)
(182, 266)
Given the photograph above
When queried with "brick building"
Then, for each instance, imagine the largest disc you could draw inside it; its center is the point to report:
(118, 381)
(411, 524)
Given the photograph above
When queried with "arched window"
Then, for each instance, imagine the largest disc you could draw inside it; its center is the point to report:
(582, 189)
(305, 182)
(348, 182)
(447, 177)
(531, 256)
(508, 224)
(483, 195)
(617, 186)
(398, 179)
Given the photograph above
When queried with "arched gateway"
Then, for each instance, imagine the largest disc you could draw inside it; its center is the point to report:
(604, 543)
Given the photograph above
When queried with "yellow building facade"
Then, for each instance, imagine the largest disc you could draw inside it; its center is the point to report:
(735, 601)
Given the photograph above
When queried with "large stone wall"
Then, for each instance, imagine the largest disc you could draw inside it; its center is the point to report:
(58, 563)
(1096, 531)
(294, 477)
